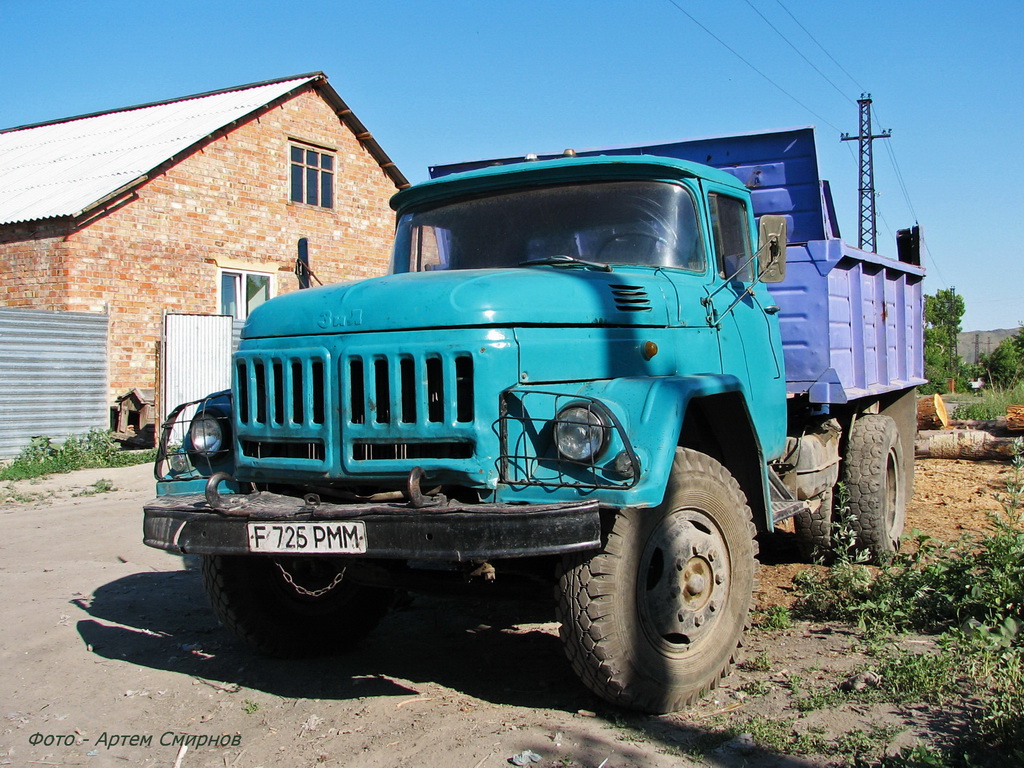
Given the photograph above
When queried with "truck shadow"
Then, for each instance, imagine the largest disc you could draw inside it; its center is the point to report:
(503, 652)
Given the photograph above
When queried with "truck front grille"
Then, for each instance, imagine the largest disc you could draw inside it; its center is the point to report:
(414, 451)
(277, 391)
(407, 389)
(316, 407)
(283, 403)
(271, 449)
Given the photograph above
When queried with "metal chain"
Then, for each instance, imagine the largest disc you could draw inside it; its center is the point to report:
(310, 593)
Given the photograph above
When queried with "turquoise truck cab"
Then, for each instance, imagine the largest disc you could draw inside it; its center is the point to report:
(573, 374)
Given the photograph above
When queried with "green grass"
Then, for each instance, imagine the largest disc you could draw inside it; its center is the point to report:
(773, 618)
(782, 737)
(760, 663)
(95, 449)
(100, 486)
(990, 404)
(12, 495)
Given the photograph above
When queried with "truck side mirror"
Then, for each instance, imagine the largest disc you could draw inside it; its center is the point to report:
(771, 248)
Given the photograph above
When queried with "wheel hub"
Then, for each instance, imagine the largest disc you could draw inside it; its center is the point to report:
(683, 580)
(696, 578)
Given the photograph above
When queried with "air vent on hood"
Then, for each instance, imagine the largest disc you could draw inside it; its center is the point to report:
(630, 298)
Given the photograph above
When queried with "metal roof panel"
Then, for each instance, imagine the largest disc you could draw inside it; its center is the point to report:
(62, 168)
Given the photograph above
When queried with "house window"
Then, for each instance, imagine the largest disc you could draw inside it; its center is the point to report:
(312, 177)
(242, 292)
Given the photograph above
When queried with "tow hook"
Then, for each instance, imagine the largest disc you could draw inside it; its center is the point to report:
(417, 499)
(213, 495)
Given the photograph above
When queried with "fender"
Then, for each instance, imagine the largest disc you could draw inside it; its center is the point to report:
(697, 411)
(660, 413)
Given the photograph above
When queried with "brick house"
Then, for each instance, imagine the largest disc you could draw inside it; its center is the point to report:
(208, 204)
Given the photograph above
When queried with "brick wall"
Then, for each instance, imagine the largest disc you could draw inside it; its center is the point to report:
(33, 266)
(225, 206)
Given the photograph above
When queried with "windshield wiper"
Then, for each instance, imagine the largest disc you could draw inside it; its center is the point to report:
(565, 261)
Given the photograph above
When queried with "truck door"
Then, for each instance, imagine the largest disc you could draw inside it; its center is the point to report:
(748, 336)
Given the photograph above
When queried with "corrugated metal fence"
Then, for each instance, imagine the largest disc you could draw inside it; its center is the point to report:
(53, 375)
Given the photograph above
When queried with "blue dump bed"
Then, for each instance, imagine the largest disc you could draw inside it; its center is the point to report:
(852, 322)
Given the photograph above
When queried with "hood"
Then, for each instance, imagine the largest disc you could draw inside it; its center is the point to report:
(468, 298)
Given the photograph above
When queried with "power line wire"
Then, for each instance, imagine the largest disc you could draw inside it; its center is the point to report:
(799, 52)
(853, 155)
(823, 49)
(736, 53)
(931, 261)
(892, 155)
(899, 179)
(899, 172)
(888, 145)
(888, 228)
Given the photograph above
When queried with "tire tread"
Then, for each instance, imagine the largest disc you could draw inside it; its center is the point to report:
(871, 438)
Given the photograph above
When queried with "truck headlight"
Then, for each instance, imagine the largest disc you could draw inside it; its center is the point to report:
(581, 433)
(207, 433)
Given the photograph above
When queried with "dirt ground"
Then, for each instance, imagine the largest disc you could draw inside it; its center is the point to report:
(951, 498)
(109, 656)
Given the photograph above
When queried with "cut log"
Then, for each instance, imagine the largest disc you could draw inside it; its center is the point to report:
(932, 413)
(985, 425)
(962, 444)
(1015, 418)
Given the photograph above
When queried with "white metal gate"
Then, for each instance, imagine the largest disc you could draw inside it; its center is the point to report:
(195, 358)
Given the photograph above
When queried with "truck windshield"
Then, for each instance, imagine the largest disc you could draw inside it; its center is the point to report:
(650, 223)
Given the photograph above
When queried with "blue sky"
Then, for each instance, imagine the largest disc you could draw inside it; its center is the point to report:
(450, 80)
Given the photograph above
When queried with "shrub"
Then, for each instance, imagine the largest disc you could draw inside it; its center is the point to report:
(96, 448)
(990, 404)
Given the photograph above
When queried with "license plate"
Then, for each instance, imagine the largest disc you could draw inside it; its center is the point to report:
(348, 538)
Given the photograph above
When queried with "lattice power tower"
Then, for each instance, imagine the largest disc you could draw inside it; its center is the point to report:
(866, 238)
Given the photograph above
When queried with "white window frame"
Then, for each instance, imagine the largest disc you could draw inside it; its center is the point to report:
(239, 276)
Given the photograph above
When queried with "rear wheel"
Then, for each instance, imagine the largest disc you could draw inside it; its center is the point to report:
(292, 607)
(653, 621)
(875, 482)
(814, 529)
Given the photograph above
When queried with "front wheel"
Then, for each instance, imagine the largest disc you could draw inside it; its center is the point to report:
(292, 607)
(653, 621)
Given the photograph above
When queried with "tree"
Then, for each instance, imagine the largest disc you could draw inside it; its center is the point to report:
(943, 313)
(1004, 366)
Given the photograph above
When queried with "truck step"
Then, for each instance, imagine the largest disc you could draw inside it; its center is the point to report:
(783, 510)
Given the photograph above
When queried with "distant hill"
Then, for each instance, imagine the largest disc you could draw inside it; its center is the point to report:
(971, 344)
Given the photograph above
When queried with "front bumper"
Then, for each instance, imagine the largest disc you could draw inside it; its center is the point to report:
(187, 524)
